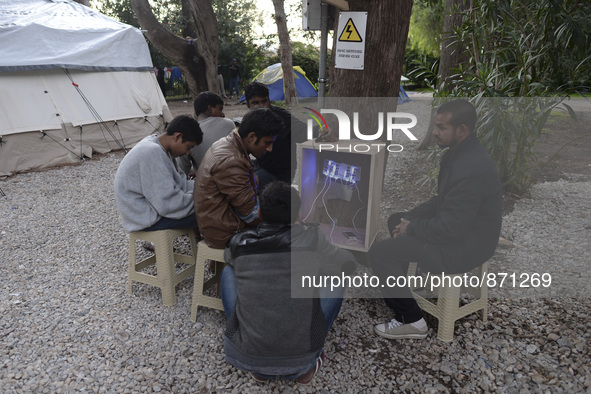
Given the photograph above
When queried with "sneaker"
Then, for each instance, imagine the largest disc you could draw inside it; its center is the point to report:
(397, 330)
(259, 378)
(306, 378)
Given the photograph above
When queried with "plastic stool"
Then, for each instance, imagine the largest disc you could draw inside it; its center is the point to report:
(447, 309)
(166, 277)
(200, 286)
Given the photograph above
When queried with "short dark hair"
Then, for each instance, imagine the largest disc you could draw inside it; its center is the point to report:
(255, 89)
(279, 203)
(462, 112)
(187, 126)
(262, 121)
(204, 99)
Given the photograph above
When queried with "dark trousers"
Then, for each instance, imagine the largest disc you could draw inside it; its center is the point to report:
(168, 223)
(390, 258)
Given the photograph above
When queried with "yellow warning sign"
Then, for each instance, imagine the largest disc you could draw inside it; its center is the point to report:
(350, 33)
(350, 45)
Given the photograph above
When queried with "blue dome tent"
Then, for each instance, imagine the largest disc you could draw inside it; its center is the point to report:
(272, 76)
(402, 95)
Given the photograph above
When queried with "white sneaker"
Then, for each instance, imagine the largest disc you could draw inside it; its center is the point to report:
(397, 330)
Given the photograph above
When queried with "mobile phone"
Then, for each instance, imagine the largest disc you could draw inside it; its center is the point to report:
(349, 234)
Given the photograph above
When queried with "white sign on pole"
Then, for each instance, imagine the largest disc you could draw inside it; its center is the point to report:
(350, 48)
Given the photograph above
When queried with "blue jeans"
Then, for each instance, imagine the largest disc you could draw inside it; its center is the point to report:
(168, 223)
(264, 177)
(330, 307)
(229, 290)
(234, 86)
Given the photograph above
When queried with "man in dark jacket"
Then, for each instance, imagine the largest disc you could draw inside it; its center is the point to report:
(234, 78)
(276, 326)
(280, 164)
(455, 231)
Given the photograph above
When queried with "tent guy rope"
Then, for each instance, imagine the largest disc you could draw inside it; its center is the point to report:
(96, 115)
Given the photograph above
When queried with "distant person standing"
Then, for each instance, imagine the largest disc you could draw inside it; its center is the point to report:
(160, 78)
(221, 86)
(176, 74)
(234, 78)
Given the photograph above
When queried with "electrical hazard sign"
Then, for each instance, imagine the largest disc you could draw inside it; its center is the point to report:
(350, 33)
(350, 45)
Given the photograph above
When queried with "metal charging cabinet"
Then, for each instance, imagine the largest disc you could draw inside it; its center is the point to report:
(340, 185)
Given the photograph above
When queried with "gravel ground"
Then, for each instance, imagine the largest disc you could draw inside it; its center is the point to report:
(68, 324)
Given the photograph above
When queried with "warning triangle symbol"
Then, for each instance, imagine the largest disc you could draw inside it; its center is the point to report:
(350, 33)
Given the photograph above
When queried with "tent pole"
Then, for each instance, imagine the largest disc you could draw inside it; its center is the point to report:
(323, 54)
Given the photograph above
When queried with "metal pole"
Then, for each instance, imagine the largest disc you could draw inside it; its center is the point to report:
(322, 79)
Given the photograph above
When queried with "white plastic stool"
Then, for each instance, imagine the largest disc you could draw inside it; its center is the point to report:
(166, 277)
(200, 286)
(447, 309)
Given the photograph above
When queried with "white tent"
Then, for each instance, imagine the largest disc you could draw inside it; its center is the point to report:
(72, 82)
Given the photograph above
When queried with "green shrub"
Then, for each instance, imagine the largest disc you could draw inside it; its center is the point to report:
(520, 54)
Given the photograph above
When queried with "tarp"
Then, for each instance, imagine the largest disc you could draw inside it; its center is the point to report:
(44, 99)
(88, 40)
(72, 82)
(272, 76)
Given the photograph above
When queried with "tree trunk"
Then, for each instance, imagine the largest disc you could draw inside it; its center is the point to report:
(386, 35)
(385, 43)
(198, 61)
(452, 56)
(291, 96)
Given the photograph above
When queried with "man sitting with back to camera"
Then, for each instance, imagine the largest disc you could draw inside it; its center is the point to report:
(152, 193)
(455, 231)
(273, 332)
(226, 192)
(209, 109)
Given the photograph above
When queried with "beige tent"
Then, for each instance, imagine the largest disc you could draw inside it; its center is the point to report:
(72, 82)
